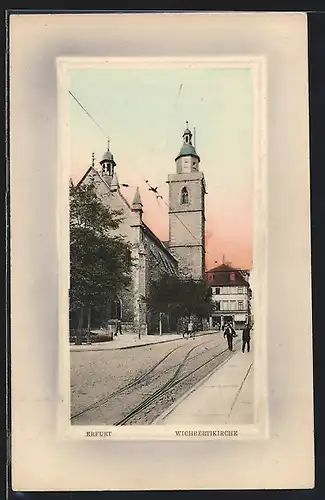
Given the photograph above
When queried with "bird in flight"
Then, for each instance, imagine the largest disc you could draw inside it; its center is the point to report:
(154, 190)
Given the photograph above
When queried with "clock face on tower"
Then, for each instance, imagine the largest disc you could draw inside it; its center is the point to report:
(195, 167)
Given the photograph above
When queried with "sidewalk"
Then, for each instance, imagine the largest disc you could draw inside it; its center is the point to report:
(225, 397)
(130, 340)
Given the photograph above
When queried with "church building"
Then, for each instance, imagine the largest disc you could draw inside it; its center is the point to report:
(183, 254)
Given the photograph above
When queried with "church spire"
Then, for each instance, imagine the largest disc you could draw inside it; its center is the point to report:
(137, 203)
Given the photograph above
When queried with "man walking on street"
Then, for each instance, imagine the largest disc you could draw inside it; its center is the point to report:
(190, 328)
(118, 327)
(229, 334)
(246, 337)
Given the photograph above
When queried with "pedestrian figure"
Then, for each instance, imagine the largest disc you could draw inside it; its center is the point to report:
(234, 334)
(195, 328)
(118, 327)
(246, 337)
(190, 328)
(229, 334)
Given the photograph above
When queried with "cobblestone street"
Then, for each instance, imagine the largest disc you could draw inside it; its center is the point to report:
(107, 385)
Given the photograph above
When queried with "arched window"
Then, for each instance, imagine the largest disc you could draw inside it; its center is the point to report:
(184, 196)
(106, 169)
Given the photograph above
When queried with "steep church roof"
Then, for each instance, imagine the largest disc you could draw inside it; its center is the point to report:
(136, 202)
(146, 229)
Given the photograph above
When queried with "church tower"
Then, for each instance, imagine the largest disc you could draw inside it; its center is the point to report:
(187, 211)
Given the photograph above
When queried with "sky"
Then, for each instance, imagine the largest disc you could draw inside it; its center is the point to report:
(144, 114)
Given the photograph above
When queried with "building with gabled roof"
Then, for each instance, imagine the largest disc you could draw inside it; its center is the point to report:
(231, 295)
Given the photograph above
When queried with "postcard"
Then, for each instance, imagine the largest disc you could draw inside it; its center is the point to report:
(174, 181)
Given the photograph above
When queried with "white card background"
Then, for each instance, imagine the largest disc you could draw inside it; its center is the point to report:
(41, 459)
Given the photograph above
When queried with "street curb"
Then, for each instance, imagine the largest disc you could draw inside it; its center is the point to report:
(140, 345)
(160, 342)
(189, 392)
(143, 345)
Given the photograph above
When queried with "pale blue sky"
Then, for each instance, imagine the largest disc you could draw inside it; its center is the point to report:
(144, 113)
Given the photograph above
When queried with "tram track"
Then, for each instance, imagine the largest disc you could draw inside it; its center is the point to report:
(104, 400)
(170, 384)
(134, 382)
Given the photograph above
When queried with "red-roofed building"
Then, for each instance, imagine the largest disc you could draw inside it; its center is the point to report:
(231, 295)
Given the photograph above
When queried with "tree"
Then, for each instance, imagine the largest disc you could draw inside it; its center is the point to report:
(100, 261)
(162, 296)
(182, 297)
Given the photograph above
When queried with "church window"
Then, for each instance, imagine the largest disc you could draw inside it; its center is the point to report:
(106, 169)
(184, 196)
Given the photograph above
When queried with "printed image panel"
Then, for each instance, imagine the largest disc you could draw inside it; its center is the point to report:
(162, 164)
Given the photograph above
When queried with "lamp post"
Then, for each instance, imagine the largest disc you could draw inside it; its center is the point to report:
(139, 318)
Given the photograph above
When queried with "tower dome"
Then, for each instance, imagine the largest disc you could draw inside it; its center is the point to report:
(107, 156)
(108, 163)
(187, 148)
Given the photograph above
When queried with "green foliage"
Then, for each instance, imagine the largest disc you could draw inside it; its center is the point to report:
(100, 262)
(162, 294)
(183, 297)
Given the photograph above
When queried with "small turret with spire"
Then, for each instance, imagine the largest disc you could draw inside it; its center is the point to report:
(108, 165)
(137, 210)
(137, 203)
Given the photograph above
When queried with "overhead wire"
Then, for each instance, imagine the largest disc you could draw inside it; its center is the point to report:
(90, 116)
(155, 190)
(158, 195)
